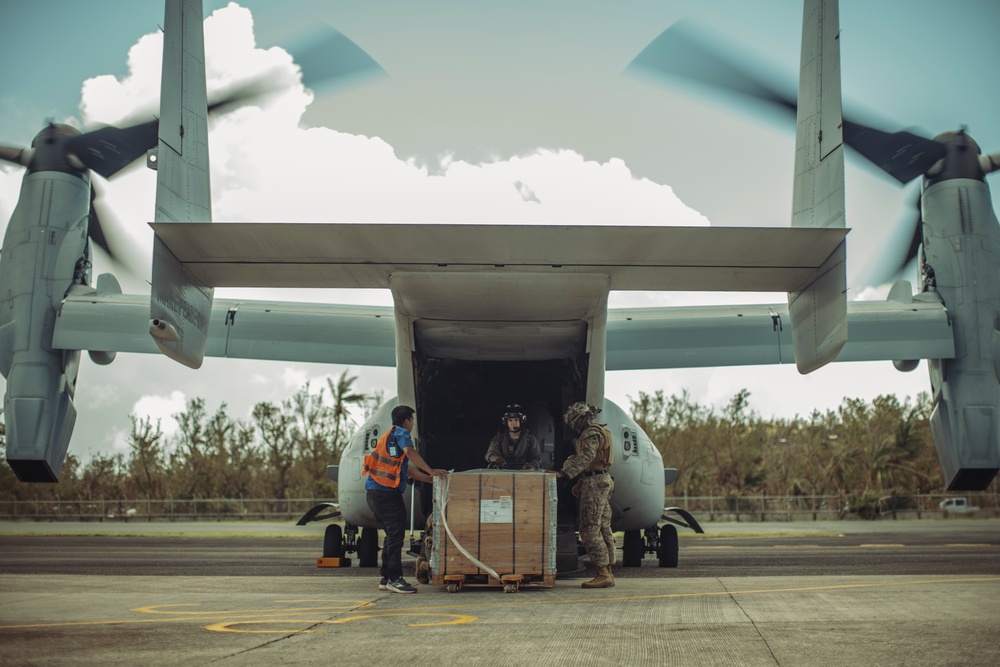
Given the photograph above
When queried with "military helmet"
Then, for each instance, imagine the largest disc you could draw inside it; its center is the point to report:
(513, 411)
(578, 411)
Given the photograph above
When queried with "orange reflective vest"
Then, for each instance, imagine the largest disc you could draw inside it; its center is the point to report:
(385, 469)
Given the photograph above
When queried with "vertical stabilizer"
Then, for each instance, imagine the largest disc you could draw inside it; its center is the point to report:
(180, 306)
(818, 309)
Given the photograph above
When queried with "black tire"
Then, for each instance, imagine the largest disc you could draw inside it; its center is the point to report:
(633, 549)
(668, 547)
(368, 548)
(333, 541)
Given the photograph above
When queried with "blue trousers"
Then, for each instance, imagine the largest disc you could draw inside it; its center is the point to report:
(391, 513)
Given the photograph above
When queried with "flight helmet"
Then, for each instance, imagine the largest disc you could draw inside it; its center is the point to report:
(514, 411)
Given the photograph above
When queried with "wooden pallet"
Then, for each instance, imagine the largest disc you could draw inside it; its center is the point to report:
(511, 583)
(506, 520)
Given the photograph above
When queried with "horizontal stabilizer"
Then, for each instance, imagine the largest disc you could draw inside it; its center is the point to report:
(352, 255)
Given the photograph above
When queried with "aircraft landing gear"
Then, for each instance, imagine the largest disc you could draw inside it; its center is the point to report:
(668, 547)
(661, 541)
(333, 541)
(368, 548)
(633, 549)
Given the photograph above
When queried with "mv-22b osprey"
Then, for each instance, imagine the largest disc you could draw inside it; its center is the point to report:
(485, 315)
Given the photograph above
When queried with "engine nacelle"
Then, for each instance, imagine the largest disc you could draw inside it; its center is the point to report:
(961, 261)
(40, 416)
(45, 253)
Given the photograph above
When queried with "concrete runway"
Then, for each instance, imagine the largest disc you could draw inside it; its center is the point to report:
(832, 593)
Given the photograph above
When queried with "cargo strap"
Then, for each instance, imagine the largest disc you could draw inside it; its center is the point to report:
(442, 501)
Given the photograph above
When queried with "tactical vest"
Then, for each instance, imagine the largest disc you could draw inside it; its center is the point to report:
(511, 452)
(385, 469)
(604, 456)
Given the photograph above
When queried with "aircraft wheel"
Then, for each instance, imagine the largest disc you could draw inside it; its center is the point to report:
(668, 547)
(333, 541)
(368, 548)
(633, 549)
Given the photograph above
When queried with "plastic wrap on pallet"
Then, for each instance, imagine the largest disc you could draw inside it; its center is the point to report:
(494, 522)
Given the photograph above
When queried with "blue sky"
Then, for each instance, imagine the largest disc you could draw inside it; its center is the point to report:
(491, 84)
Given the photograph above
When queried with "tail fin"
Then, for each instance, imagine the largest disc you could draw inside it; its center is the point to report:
(818, 309)
(180, 306)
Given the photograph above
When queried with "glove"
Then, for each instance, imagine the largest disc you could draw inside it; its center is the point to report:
(498, 462)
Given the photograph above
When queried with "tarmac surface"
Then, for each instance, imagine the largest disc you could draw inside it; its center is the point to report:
(811, 593)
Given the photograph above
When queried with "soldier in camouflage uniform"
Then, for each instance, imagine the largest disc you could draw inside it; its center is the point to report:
(592, 463)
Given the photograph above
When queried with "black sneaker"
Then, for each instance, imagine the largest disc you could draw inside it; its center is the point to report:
(400, 586)
(383, 584)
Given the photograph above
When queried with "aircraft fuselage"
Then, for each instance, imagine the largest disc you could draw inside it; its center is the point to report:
(638, 470)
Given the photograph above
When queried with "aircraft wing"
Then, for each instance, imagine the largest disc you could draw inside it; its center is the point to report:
(639, 338)
(706, 336)
(279, 331)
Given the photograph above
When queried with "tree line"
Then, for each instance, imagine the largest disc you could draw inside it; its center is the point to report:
(281, 452)
(859, 452)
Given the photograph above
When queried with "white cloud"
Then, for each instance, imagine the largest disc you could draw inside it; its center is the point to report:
(293, 378)
(266, 166)
(10, 185)
(160, 408)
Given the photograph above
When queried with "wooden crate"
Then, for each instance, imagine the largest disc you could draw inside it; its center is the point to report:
(504, 519)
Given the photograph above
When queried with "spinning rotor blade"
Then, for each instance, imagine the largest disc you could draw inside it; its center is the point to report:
(13, 155)
(106, 231)
(901, 248)
(94, 229)
(681, 51)
(326, 57)
(110, 149)
(902, 155)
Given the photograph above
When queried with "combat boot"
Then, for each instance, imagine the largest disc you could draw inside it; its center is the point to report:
(611, 576)
(423, 570)
(602, 580)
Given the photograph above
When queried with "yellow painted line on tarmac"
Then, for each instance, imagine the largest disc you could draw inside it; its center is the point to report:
(877, 545)
(229, 626)
(269, 616)
(340, 606)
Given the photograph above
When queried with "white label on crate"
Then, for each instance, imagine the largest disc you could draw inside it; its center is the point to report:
(497, 511)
